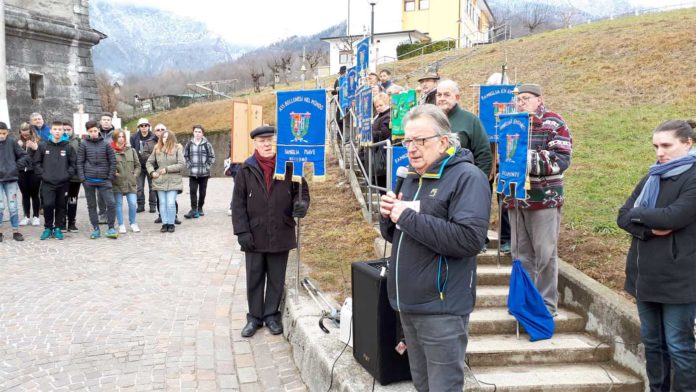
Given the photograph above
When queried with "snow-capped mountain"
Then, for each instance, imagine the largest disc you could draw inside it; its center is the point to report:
(148, 41)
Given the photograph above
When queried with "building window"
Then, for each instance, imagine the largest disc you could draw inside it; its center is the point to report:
(36, 86)
(424, 4)
(409, 5)
(345, 57)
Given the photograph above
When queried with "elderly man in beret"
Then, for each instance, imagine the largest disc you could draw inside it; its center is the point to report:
(428, 85)
(263, 208)
(536, 221)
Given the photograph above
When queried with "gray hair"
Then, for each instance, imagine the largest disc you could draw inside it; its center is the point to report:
(448, 84)
(163, 126)
(34, 115)
(438, 119)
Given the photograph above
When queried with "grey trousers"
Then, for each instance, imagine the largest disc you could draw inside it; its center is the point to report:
(535, 242)
(436, 349)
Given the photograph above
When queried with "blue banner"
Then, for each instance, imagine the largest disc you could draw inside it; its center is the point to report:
(301, 119)
(489, 95)
(363, 57)
(364, 114)
(352, 75)
(343, 97)
(513, 141)
(399, 158)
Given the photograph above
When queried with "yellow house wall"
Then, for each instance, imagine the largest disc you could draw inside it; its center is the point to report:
(439, 21)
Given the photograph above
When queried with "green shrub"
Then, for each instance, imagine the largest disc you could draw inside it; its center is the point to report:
(402, 51)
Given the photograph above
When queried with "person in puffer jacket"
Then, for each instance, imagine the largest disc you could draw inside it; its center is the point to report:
(96, 166)
(199, 156)
(436, 225)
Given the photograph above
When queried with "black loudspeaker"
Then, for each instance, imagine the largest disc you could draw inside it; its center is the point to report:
(376, 326)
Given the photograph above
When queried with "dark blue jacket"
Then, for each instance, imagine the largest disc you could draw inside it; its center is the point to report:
(433, 262)
(96, 162)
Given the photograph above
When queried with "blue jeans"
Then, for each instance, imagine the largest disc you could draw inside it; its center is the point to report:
(8, 191)
(436, 348)
(167, 205)
(132, 199)
(667, 332)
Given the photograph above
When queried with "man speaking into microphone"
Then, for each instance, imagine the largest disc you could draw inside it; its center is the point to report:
(437, 226)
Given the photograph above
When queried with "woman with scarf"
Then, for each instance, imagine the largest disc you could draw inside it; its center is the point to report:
(165, 165)
(125, 183)
(660, 215)
(29, 182)
(263, 208)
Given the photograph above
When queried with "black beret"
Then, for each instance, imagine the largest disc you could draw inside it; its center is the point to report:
(264, 130)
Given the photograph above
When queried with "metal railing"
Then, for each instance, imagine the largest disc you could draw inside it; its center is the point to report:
(346, 141)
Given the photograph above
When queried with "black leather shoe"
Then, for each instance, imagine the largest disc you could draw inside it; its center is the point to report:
(158, 220)
(275, 327)
(250, 329)
(140, 209)
(164, 228)
(171, 228)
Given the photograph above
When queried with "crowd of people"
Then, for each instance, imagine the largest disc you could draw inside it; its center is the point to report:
(49, 164)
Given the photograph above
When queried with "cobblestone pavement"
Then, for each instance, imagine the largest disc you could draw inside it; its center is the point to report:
(148, 311)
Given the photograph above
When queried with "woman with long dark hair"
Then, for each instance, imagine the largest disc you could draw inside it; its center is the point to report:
(29, 182)
(660, 215)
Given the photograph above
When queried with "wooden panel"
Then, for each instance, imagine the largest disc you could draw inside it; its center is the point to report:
(243, 121)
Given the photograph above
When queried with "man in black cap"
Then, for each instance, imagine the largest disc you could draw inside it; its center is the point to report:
(428, 85)
(263, 209)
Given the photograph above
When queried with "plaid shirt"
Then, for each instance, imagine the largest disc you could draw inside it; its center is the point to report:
(199, 158)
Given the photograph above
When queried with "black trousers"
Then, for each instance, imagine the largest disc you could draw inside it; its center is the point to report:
(197, 188)
(73, 193)
(54, 202)
(265, 270)
(92, 193)
(30, 186)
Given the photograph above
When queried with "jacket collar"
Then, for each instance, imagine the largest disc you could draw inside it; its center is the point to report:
(436, 169)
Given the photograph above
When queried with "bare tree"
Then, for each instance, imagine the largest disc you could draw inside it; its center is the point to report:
(534, 15)
(256, 73)
(106, 92)
(286, 66)
(313, 57)
(568, 13)
(274, 66)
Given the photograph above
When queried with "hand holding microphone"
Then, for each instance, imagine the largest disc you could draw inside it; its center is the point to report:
(390, 200)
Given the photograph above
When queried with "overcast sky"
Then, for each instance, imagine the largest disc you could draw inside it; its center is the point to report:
(261, 22)
(256, 22)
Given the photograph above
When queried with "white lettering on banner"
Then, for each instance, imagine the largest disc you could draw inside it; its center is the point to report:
(510, 174)
(308, 100)
(492, 93)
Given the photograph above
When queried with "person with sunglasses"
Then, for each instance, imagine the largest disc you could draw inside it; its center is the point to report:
(143, 142)
(536, 220)
(437, 224)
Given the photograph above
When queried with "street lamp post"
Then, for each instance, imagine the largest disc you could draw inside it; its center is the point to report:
(372, 21)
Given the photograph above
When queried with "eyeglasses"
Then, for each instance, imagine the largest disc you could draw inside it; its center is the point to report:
(524, 98)
(418, 141)
(143, 125)
(160, 129)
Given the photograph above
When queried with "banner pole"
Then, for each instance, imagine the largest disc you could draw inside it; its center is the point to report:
(299, 249)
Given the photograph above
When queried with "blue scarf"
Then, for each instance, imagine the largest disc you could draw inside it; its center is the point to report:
(651, 189)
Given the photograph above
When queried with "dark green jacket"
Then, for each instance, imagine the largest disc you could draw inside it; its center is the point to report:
(472, 136)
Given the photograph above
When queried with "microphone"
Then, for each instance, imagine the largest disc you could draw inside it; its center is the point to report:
(401, 173)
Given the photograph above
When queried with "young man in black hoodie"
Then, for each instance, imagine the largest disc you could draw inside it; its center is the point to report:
(54, 162)
(96, 166)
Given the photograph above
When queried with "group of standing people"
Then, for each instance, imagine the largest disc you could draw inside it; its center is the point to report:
(49, 165)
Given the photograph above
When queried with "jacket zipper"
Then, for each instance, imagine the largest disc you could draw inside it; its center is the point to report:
(398, 251)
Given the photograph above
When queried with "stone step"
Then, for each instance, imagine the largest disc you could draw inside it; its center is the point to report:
(576, 377)
(491, 296)
(492, 350)
(492, 239)
(490, 257)
(491, 275)
(497, 321)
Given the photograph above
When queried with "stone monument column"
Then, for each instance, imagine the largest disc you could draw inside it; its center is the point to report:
(4, 109)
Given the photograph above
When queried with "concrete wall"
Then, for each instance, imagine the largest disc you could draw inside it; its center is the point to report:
(53, 40)
(220, 139)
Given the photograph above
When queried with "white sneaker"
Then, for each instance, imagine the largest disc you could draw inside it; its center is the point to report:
(229, 212)
(122, 229)
(25, 221)
(35, 221)
(135, 228)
